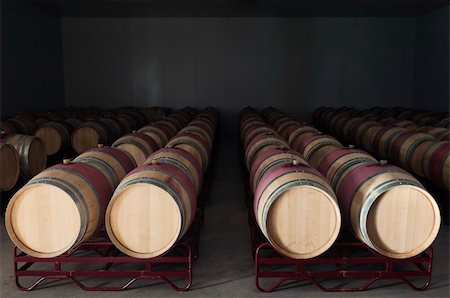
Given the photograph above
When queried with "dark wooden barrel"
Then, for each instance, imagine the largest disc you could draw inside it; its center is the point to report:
(89, 135)
(32, 154)
(56, 136)
(9, 166)
(151, 209)
(115, 127)
(383, 139)
(436, 164)
(70, 212)
(408, 149)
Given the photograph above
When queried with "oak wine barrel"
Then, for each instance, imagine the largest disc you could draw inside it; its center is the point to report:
(195, 145)
(32, 154)
(89, 134)
(297, 211)
(150, 210)
(58, 209)
(56, 136)
(388, 209)
(436, 164)
(138, 145)
(9, 166)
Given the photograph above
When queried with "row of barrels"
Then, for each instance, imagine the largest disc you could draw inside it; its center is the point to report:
(404, 117)
(423, 151)
(67, 203)
(294, 206)
(381, 204)
(155, 204)
(25, 155)
(29, 123)
(71, 197)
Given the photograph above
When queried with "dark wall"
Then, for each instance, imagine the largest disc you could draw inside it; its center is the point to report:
(295, 64)
(431, 72)
(31, 68)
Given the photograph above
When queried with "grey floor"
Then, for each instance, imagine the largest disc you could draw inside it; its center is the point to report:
(225, 266)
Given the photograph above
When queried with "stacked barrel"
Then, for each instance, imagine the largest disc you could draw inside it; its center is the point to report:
(294, 206)
(39, 136)
(155, 204)
(422, 150)
(65, 204)
(383, 205)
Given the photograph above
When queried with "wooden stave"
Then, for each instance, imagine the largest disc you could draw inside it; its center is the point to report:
(92, 191)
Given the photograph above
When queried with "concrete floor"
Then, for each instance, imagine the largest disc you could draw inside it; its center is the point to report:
(225, 266)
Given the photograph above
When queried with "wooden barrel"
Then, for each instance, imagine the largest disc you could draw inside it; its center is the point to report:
(160, 134)
(314, 147)
(168, 125)
(201, 132)
(445, 137)
(406, 124)
(388, 209)
(193, 144)
(437, 132)
(442, 121)
(9, 166)
(317, 114)
(128, 122)
(272, 158)
(335, 163)
(113, 162)
(253, 131)
(150, 210)
(297, 133)
(281, 121)
(359, 131)
(336, 123)
(383, 139)
(115, 127)
(261, 143)
(182, 118)
(408, 149)
(56, 136)
(211, 128)
(181, 159)
(283, 128)
(154, 113)
(89, 135)
(349, 127)
(58, 209)
(388, 120)
(21, 126)
(436, 164)
(29, 122)
(138, 145)
(297, 211)
(138, 118)
(75, 122)
(32, 155)
(368, 136)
